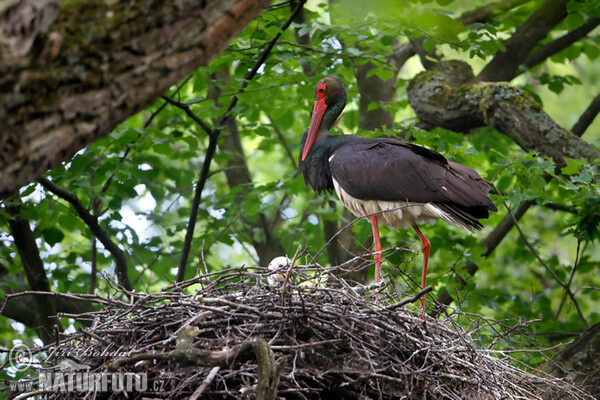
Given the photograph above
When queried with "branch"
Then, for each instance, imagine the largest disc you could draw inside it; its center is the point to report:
(212, 145)
(303, 40)
(417, 296)
(510, 110)
(505, 64)
(284, 142)
(588, 116)
(561, 43)
(92, 223)
(482, 14)
(189, 234)
(189, 113)
(33, 266)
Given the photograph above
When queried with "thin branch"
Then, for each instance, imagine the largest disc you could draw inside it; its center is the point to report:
(482, 14)
(417, 296)
(189, 113)
(212, 145)
(189, 234)
(339, 53)
(588, 116)
(205, 384)
(578, 257)
(92, 222)
(262, 59)
(549, 49)
(505, 64)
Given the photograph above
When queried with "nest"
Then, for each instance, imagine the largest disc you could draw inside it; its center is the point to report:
(314, 336)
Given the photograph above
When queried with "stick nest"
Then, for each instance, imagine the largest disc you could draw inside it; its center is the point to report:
(313, 336)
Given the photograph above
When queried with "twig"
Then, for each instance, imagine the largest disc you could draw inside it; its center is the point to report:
(207, 381)
(561, 43)
(412, 299)
(284, 142)
(188, 111)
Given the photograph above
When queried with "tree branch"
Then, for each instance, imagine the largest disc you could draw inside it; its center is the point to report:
(33, 266)
(588, 116)
(92, 222)
(482, 14)
(189, 113)
(511, 111)
(505, 64)
(549, 49)
(212, 145)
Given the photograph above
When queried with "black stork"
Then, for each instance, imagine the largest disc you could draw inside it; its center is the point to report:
(394, 183)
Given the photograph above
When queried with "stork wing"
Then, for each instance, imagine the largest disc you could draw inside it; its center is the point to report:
(385, 169)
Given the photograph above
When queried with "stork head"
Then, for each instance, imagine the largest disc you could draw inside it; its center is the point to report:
(330, 100)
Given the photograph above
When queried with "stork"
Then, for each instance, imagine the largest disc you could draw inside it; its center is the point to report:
(389, 182)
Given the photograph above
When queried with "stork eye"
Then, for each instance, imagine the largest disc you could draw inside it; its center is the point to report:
(321, 91)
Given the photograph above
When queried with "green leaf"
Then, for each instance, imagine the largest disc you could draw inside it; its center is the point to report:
(556, 86)
(573, 166)
(163, 148)
(373, 106)
(475, 26)
(574, 20)
(78, 163)
(53, 235)
(68, 221)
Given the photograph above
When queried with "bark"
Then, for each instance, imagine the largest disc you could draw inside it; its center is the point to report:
(442, 98)
(374, 89)
(71, 73)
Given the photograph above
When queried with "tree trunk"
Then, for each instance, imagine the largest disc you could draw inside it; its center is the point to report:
(71, 72)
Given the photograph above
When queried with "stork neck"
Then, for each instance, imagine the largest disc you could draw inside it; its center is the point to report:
(322, 134)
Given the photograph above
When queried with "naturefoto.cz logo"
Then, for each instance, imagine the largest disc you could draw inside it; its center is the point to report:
(68, 375)
(92, 382)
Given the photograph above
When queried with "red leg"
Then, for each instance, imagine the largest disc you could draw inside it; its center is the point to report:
(425, 249)
(377, 257)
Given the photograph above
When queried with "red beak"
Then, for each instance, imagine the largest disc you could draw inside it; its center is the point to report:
(315, 123)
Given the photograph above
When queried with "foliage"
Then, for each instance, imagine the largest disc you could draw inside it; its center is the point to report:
(139, 181)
